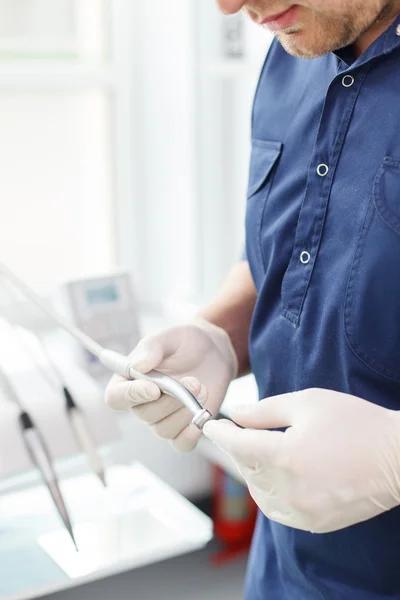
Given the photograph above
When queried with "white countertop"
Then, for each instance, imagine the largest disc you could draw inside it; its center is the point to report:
(137, 521)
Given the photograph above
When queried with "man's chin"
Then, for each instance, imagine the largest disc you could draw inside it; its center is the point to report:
(296, 44)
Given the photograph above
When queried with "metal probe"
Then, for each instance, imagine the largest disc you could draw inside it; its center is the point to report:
(114, 361)
(39, 454)
(76, 416)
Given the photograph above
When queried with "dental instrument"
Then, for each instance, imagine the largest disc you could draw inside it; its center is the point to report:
(83, 435)
(112, 360)
(39, 454)
(76, 416)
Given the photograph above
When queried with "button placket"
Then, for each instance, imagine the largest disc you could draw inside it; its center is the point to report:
(338, 105)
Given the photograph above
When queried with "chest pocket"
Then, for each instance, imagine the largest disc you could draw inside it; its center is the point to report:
(264, 157)
(372, 306)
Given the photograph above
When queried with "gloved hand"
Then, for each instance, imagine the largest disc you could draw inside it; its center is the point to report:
(199, 355)
(337, 464)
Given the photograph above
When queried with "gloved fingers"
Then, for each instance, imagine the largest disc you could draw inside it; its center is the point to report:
(266, 493)
(170, 427)
(152, 412)
(152, 350)
(178, 427)
(270, 413)
(150, 407)
(249, 447)
(262, 477)
(187, 439)
(148, 354)
(196, 388)
(122, 394)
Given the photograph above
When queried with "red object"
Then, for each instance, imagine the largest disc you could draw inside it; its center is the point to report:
(234, 515)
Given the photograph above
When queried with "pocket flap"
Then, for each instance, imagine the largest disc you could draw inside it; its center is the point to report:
(263, 158)
(387, 192)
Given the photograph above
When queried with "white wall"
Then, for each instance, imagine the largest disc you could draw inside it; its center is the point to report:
(164, 138)
(55, 198)
(192, 137)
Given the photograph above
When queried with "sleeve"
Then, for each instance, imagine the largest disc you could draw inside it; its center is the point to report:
(243, 255)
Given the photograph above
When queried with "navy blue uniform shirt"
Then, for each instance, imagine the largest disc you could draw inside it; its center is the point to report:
(323, 243)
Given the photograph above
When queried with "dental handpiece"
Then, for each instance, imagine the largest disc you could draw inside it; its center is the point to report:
(120, 364)
(114, 361)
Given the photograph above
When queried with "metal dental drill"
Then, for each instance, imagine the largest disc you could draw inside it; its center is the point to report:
(115, 362)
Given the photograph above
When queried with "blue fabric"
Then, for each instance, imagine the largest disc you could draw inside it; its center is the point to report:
(332, 321)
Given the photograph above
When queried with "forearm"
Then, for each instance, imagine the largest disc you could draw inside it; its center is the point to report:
(232, 310)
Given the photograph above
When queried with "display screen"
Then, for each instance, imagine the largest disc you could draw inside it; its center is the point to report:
(105, 294)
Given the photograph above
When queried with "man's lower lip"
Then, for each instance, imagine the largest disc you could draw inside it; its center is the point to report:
(284, 21)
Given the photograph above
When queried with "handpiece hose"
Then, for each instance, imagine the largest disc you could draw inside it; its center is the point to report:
(114, 361)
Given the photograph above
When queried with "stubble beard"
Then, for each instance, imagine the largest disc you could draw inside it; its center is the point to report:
(332, 33)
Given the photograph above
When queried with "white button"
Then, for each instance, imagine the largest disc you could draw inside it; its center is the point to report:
(398, 31)
(347, 81)
(305, 258)
(323, 170)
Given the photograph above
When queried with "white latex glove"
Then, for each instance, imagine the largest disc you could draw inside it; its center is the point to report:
(199, 355)
(337, 464)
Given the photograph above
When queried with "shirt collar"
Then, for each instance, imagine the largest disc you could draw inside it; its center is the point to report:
(384, 44)
(393, 36)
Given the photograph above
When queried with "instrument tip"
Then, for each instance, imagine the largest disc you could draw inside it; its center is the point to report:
(102, 476)
(71, 533)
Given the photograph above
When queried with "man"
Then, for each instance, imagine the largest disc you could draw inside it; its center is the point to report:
(321, 288)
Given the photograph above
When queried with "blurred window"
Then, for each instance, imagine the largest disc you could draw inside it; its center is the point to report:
(53, 29)
(56, 143)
